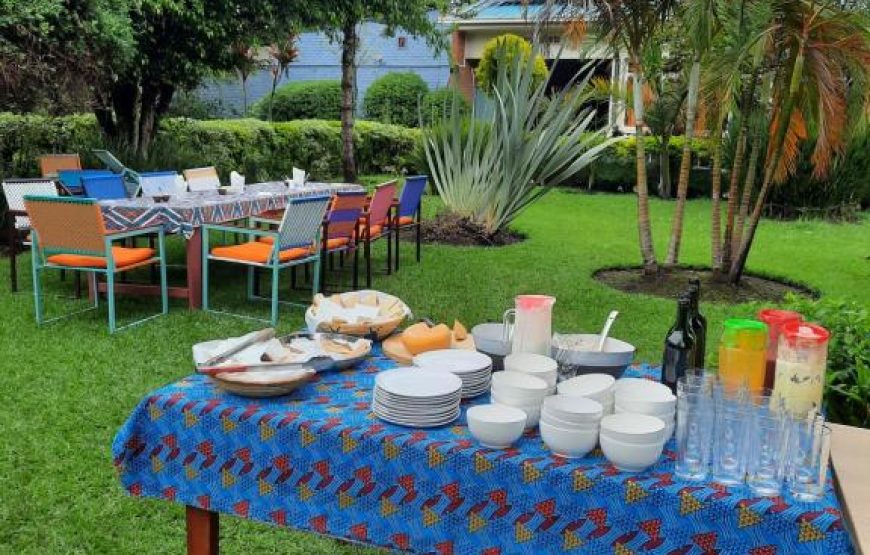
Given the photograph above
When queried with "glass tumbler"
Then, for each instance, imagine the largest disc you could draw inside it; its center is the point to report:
(693, 432)
(728, 465)
(766, 460)
(810, 453)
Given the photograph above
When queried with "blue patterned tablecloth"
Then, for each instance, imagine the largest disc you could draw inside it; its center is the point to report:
(319, 460)
(183, 215)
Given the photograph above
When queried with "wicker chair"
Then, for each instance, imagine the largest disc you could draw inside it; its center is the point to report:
(294, 243)
(375, 223)
(50, 164)
(69, 233)
(408, 210)
(202, 179)
(18, 224)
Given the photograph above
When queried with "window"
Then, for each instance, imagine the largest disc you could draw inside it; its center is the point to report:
(403, 42)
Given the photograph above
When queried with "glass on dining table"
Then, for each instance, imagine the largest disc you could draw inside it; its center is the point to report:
(730, 429)
(768, 438)
(809, 456)
(695, 412)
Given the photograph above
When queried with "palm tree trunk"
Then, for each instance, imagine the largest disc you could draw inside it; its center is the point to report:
(733, 192)
(272, 96)
(748, 186)
(715, 211)
(685, 164)
(665, 168)
(647, 249)
(348, 85)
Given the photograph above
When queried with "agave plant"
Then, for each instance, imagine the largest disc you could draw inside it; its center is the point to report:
(489, 170)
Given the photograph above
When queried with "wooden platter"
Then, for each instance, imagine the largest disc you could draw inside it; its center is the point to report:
(395, 349)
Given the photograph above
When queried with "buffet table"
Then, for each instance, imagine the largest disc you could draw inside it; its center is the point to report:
(186, 215)
(318, 460)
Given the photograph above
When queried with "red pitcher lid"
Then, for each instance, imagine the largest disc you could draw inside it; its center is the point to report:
(533, 302)
(778, 317)
(805, 332)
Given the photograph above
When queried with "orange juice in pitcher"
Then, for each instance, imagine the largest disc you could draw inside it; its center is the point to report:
(743, 354)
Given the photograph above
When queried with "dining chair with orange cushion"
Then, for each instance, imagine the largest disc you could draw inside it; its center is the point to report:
(341, 229)
(50, 164)
(69, 234)
(375, 223)
(408, 210)
(294, 243)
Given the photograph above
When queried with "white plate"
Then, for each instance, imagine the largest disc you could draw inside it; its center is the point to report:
(418, 424)
(457, 361)
(418, 383)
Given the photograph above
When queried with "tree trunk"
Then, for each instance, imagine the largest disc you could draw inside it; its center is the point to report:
(135, 114)
(748, 186)
(733, 192)
(715, 211)
(647, 249)
(272, 96)
(665, 168)
(673, 256)
(348, 98)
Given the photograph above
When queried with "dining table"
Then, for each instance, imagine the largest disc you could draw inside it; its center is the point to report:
(185, 214)
(319, 460)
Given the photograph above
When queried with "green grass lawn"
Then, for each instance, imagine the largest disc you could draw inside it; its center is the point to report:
(68, 387)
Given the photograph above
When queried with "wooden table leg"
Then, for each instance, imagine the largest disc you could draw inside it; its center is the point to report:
(194, 270)
(202, 532)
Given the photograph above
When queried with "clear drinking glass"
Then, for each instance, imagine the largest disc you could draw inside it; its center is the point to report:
(694, 431)
(810, 452)
(767, 454)
(729, 453)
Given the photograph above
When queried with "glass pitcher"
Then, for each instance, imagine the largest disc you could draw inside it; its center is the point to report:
(529, 325)
(742, 354)
(801, 362)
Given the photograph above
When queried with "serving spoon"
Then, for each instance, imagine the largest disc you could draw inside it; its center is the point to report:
(606, 330)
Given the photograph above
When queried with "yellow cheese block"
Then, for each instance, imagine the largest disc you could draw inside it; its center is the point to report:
(420, 338)
(459, 331)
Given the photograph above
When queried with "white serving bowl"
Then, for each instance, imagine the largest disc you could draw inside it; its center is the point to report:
(490, 339)
(593, 386)
(496, 426)
(577, 410)
(629, 457)
(520, 385)
(634, 428)
(568, 443)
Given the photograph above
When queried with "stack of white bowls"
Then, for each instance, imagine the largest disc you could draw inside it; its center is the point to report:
(539, 366)
(632, 442)
(639, 396)
(598, 387)
(569, 425)
(522, 391)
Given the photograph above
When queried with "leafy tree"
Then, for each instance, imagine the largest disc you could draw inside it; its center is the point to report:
(503, 49)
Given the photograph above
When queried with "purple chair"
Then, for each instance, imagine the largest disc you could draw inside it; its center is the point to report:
(408, 211)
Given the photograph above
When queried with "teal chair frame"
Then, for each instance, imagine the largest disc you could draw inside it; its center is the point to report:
(274, 264)
(40, 264)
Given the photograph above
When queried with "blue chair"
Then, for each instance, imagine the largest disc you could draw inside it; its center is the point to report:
(104, 187)
(409, 211)
(71, 180)
(295, 242)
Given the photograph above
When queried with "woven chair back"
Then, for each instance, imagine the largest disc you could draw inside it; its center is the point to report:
(104, 187)
(301, 222)
(202, 179)
(344, 214)
(15, 189)
(379, 208)
(67, 224)
(412, 193)
(154, 184)
(50, 164)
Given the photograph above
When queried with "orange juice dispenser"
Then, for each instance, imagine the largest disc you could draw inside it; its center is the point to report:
(775, 320)
(742, 354)
(801, 362)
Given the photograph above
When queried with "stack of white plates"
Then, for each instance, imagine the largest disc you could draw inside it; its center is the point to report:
(639, 396)
(539, 366)
(598, 387)
(522, 391)
(416, 397)
(472, 367)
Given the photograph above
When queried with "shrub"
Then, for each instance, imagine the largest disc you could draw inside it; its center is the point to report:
(438, 102)
(395, 98)
(302, 100)
(847, 384)
(255, 148)
(190, 105)
(503, 49)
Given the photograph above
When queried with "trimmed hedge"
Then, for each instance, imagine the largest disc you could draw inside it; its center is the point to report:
(255, 148)
(439, 102)
(395, 97)
(302, 100)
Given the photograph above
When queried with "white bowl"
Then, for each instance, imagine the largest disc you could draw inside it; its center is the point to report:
(571, 444)
(652, 389)
(550, 418)
(664, 414)
(496, 426)
(630, 457)
(645, 396)
(579, 410)
(593, 386)
(533, 412)
(489, 338)
(530, 363)
(519, 384)
(634, 428)
(517, 398)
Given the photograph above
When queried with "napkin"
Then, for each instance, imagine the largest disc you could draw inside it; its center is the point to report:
(299, 177)
(236, 179)
(180, 185)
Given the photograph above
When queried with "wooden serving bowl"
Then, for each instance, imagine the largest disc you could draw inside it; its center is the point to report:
(393, 313)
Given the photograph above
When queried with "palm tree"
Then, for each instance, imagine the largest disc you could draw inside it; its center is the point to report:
(245, 62)
(629, 25)
(817, 49)
(699, 21)
(283, 54)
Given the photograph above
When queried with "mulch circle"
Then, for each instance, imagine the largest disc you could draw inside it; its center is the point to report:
(670, 282)
(452, 229)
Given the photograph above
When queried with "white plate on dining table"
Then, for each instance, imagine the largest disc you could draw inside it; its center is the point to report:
(456, 361)
(418, 423)
(418, 383)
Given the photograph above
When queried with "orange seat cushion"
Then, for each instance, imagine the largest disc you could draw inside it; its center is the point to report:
(256, 251)
(271, 214)
(123, 257)
(333, 243)
(406, 220)
(376, 230)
